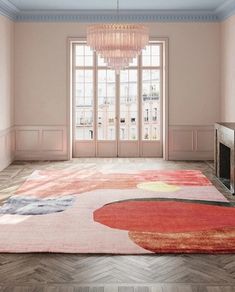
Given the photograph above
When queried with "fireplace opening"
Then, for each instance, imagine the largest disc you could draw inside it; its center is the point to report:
(225, 165)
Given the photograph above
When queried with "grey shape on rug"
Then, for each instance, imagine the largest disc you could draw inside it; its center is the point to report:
(18, 205)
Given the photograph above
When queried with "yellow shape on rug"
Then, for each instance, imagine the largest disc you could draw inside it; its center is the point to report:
(158, 187)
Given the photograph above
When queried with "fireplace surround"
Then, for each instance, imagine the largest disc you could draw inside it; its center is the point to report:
(224, 154)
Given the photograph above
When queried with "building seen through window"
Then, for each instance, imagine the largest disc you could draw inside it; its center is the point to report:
(101, 93)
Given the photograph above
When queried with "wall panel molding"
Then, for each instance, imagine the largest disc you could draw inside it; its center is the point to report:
(191, 142)
(50, 143)
(7, 147)
(41, 143)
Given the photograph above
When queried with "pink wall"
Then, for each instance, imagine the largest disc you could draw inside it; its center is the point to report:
(6, 72)
(228, 70)
(33, 58)
(41, 87)
(41, 80)
(194, 78)
(6, 91)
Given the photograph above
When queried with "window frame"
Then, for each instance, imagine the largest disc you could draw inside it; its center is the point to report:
(165, 91)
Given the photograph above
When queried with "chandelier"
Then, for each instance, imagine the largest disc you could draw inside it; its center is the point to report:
(117, 43)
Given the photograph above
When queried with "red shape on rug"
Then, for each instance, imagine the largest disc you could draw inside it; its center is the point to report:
(179, 177)
(214, 241)
(165, 216)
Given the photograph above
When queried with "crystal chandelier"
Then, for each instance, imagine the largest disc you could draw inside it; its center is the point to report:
(117, 43)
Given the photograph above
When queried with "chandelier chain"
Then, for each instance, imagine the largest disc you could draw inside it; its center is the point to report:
(118, 10)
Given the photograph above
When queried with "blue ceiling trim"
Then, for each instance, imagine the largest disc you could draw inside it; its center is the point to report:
(9, 10)
(224, 11)
(124, 16)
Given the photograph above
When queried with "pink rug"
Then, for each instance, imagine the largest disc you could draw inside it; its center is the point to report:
(141, 212)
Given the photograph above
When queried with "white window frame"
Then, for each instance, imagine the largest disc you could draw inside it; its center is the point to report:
(165, 114)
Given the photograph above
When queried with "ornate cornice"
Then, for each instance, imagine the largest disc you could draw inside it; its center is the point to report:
(124, 16)
(219, 14)
(226, 10)
(9, 10)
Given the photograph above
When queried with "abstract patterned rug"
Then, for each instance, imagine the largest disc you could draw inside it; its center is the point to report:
(138, 212)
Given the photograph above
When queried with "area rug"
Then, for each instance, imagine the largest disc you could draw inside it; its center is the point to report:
(138, 212)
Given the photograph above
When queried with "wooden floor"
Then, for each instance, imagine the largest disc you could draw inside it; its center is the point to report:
(102, 273)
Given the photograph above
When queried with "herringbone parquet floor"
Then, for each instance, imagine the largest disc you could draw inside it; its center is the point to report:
(107, 273)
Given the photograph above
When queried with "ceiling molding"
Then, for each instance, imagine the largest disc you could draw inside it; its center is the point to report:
(226, 10)
(124, 15)
(221, 13)
(8, 9)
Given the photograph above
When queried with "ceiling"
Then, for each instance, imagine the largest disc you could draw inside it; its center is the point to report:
(111, 4)
(130, 10)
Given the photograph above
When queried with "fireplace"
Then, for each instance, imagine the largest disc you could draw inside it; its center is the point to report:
(224, 165)
(224, 154)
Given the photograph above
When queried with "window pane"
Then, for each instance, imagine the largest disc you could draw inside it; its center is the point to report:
(155, 55)
(111, 90)
(151, 56)
(124, 76)
(84, 55)
(84, 99)
(106, 105)
(88, 60)
(88, 75)
(151, 104)
(134, 62)
(146, 56)
(146, 61)
(84, 124)
(84, 83)
(88, 90)
(101, 62)
(155, 50)
(132, 76)
(88, 51)
(79, 89)
(80, 61)
(79, 50)
(128, 105)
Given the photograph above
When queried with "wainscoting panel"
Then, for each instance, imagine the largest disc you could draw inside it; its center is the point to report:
(50, 143)
(27, 140)
(41, 143)
(52, 140)
(204, 140)
(182, 140)
(7, 147)
(191, 142)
